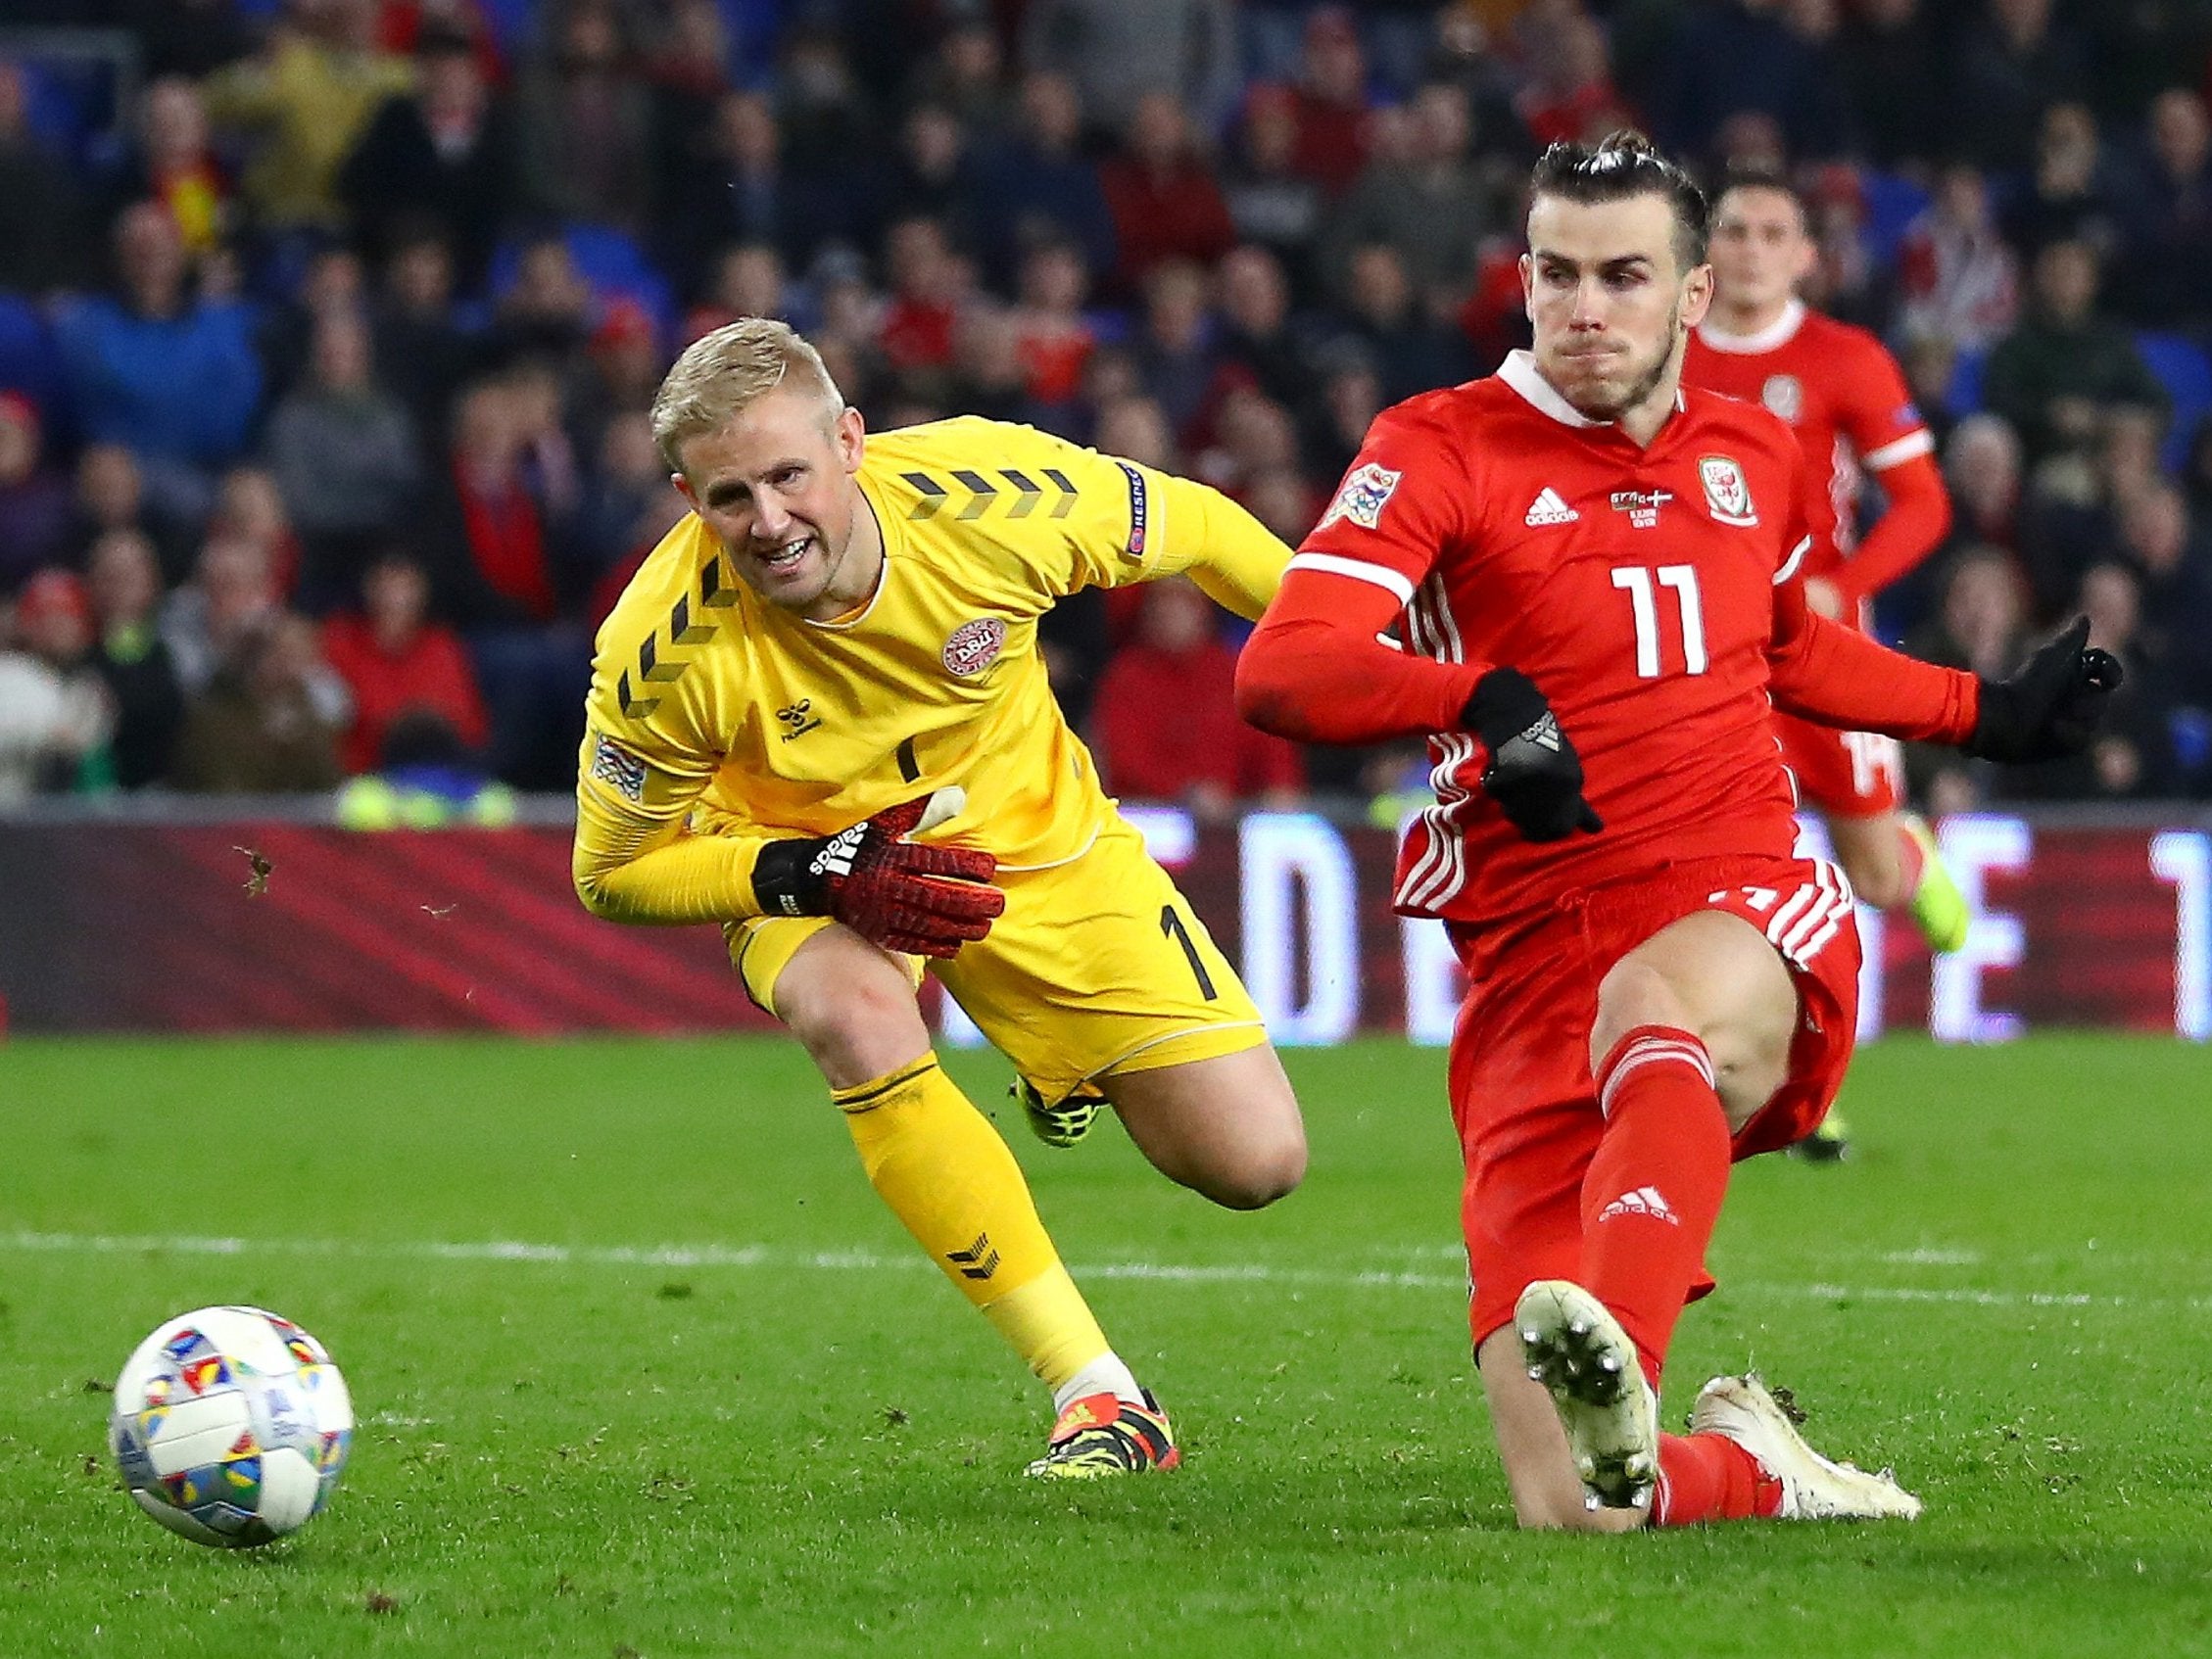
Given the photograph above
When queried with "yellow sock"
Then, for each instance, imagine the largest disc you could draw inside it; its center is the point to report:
(946, 1173)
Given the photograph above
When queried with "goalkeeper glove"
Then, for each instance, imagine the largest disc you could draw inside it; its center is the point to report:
(2051, 707)
(920, 900)
(1534, 774)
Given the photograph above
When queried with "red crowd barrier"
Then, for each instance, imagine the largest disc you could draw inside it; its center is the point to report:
(133, 926)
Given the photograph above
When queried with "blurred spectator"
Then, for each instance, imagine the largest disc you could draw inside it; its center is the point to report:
(1166, 724)
(821, 109)
(396, 662)
(1331, 100)
(627, 509)
(1430, 202)
(55, 715)
(1891, 64)
(1280, 499)
(1257, 345)
(133, 659)
(1981, 628)
(45, 229)
(622, 371)
(931, 174)
(2055, 374)
(483, 527)
(35, 502)
(546, 311)
(738, 189)
(1411, 351)
(342, 450)
(1271, 202)
(232, 591)
(1175, 358)
(1955, 276)
(1568, 95)
(1352, 396)
(1846, 280)
(2172, 560)
(688, 75)
(250, 507)
(1165, 200)
(421, 354)
(988, 377)
(1042, 186)
(744, 281)
(332, 284)
(259, 727)
(1253, 437)
(2071, 194)
(304, 101)
(584, 123)
(2169, 232)
(2011, 63)
(171, 377)
(1763, 56)
(927, 282)
(441, 159)
(110, 493)
(176, 166)
(1119, 52)
(2133, 755)
(1053, 339)
(966, 76)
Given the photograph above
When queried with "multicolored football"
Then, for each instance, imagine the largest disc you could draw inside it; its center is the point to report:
(231, 1426)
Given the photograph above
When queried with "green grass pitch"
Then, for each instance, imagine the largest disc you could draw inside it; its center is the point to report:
(785, 1436)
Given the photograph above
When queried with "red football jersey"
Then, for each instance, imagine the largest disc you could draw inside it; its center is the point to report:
(1634, 586)
(1843, 393)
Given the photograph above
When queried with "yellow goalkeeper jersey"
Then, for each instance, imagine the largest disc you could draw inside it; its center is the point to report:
(717, 721)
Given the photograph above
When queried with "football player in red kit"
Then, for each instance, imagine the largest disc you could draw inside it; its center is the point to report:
(1590, 571)
(1843, 393)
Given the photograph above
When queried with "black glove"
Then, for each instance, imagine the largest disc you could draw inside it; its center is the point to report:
(2052, 708)
(1534, 774)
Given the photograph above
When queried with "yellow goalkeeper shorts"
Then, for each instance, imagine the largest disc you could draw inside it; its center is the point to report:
(1097, 967)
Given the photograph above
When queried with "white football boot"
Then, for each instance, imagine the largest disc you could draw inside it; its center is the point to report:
(1813, 1488)
(1579, 1353)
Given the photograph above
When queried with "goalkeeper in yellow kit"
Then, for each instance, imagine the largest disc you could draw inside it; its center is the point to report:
(819, 717)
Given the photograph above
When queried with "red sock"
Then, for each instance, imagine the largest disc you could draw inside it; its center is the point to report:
(1710, 1478)
(1652, 1191)
(1910, 860)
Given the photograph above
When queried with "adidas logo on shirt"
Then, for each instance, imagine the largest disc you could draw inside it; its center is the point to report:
(1644, 1200)
(1548, 508)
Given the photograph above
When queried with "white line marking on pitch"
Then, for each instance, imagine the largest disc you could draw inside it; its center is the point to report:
(868, 1262)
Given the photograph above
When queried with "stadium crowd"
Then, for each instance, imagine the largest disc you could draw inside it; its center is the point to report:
(328, 328)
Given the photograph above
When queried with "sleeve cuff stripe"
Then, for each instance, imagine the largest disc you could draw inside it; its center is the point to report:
(1383, 575)
(1795, 558)
(1910, 446)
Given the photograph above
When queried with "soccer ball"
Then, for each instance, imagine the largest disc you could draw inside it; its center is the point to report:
(231, 1426)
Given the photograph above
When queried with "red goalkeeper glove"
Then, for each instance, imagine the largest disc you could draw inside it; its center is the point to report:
(920, 900)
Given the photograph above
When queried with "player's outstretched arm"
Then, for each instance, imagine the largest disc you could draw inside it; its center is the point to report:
(1236, 560)
(1826, 672)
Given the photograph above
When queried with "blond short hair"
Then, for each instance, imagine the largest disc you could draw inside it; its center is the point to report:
(724, 372)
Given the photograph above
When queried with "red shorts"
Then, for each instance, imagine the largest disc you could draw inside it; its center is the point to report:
(1523, 1097)
(1844, 774)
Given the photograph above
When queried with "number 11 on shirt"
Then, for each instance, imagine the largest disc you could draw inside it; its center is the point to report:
(1636, 581)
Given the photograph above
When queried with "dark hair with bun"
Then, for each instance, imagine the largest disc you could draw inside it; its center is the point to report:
(1621, 166)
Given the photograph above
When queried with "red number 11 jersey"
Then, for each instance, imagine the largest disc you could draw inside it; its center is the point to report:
(1636, 585)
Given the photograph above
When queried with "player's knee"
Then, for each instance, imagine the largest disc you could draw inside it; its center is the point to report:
(1633, 993)
(1270, 1169)
(860, 1026)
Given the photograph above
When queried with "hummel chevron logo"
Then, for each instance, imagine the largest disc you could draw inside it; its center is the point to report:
(1644, 1200)
(1548, 508)
(978, 1261)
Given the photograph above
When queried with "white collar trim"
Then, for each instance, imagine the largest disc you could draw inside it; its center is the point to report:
(1519, 371)
(1780, 332)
